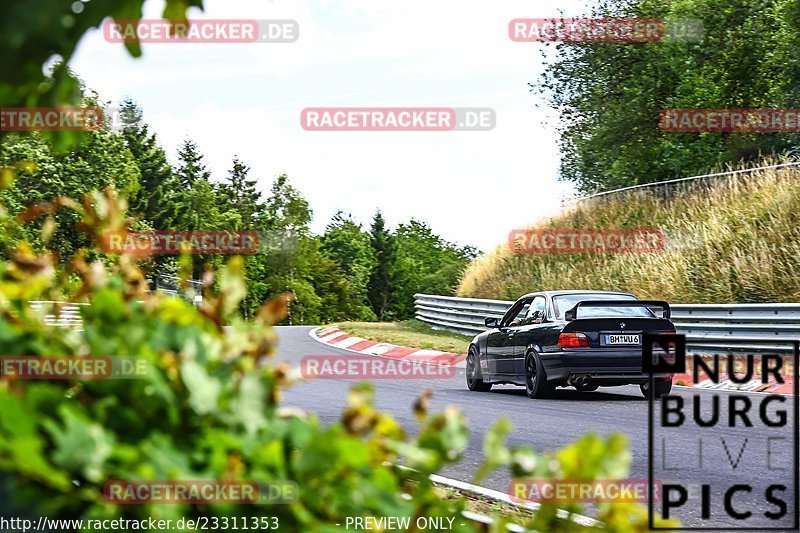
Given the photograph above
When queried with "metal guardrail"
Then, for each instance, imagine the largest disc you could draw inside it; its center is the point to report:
(678, 181)
(769, 326)
(59, 314)
(68, 314)
(172, 285)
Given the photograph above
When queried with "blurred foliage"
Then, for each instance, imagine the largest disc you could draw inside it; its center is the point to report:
(37, 40)
(210, 408)
(590, 458)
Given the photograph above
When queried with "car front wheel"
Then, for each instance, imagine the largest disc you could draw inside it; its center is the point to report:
(661, 387)
(474, 377)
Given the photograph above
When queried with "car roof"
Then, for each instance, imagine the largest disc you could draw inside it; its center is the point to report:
(574, 291)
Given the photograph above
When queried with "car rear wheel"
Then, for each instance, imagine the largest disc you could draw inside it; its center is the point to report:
(474, 377)
(536, 384)
(661, 387)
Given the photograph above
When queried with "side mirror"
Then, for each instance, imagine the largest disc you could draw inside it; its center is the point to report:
(491, 322)
(569, 315)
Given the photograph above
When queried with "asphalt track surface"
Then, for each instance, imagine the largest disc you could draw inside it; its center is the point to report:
(550, 424)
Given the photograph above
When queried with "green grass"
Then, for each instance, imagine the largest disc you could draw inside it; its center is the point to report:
(410, 333)
(735, 241)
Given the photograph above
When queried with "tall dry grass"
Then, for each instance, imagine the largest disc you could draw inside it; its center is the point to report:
(733, 240)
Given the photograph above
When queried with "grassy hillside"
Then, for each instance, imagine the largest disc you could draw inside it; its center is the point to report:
(736, 240)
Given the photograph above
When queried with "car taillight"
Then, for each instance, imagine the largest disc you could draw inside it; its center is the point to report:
(573, 340)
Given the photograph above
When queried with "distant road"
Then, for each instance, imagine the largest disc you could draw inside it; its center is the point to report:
(550, 424)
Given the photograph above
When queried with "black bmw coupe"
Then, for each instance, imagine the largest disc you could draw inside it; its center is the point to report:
(583, 339)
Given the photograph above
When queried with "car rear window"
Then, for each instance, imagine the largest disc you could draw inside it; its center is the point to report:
(565, 302)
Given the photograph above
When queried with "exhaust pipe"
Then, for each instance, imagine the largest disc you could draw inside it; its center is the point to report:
(579, 381)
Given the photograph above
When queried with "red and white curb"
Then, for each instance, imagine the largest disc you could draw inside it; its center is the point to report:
(754, 385)
(337, 338)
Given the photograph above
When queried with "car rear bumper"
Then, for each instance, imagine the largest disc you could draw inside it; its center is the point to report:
(614, 379)
(608, 367)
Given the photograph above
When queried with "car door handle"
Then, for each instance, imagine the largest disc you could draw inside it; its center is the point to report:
(511, 333)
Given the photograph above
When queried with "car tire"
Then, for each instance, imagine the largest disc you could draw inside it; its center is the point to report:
(661, 387)
(536, 384)
(473, 372)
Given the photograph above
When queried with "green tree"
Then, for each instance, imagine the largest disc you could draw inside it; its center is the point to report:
(298, 262)
(202, 203)
(382, 278)
(284, 264)
(101, 161)
(425, 263)
(242, 194)
(322, 293)
(192, 167)
(610, 95)
(157, 197)
(286, 211)
(348, 245)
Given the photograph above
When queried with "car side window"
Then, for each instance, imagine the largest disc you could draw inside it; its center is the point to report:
(537, 312)
(519, 314)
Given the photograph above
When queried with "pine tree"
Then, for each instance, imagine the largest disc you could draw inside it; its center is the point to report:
(156, 200)
(379, 289)
(242, 193)
(198, 198)
(192, 167)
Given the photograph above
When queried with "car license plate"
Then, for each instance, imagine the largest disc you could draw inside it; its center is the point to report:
(623, 339)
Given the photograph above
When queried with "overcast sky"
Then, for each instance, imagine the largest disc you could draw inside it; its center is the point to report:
(471, 187)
